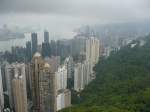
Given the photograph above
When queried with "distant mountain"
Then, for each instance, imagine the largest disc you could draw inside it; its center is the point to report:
(122, 82)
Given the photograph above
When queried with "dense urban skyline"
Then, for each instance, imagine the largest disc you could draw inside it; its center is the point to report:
(74, 56)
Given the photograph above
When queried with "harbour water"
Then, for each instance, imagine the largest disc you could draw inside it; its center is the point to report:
(6, 45)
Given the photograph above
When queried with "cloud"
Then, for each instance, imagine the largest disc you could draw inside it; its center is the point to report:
(86, 8)
(73, 12)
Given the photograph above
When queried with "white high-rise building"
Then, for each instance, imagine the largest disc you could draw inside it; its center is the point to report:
(92, 50)
(11, 70)
(1, 94)
(87, 72)
(61, 77)
(82, 75)
(19, 93)
(79, 77)
(63, 99)
(92, 53)
(83, 71)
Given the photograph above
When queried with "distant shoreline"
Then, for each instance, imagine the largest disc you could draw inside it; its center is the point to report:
(7, 39)
(11, 37)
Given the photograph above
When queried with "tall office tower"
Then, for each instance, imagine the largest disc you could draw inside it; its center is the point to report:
(28, 51)
(43, 86)
(1, 93)
(19, 93)
(4, 76)
(46, 36)
(46, 51)
(61, 77)
(34, 43)
(28, 80)
(11, 70)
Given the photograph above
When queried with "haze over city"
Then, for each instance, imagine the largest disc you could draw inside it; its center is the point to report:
(74, 56)
(62, 17)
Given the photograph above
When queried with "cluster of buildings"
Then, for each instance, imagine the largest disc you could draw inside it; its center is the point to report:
(83, 70)
(43, 82)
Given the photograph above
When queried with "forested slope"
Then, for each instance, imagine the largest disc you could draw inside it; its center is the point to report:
(122, 83)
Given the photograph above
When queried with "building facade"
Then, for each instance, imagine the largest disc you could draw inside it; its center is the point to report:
(43, 86)
(61, 76)
(11, 70)
(92, 54)
(70, 66)
(54, 61)
(92, 50)
(63, 99)
(46, 36)
(34, 43)
(1, 94)
(78, 77)
(19, 93)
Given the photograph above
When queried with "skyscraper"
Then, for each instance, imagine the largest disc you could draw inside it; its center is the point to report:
(3, 72)
(46, 36)
(70, 70)
(43, 86)
(11, 70)
(34, 43)
(28, 51)
(9, 76)
(69, 63)
(61, 76)
(82, 75)
(92, 54)
(92, 50)
(19, 93)
(46, 51)
(28, 80)
(78, 77)
(1, 94)
(63, 99)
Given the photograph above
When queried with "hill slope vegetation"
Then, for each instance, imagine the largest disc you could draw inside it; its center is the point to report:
(122, 83)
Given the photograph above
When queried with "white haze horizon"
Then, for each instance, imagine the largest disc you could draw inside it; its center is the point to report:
(61, 17)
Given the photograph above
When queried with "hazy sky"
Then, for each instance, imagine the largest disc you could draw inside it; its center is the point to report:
(62, 16)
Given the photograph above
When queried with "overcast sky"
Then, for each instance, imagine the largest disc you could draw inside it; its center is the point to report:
(62, 16)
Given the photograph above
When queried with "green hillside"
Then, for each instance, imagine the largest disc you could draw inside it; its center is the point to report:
(122, 83)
